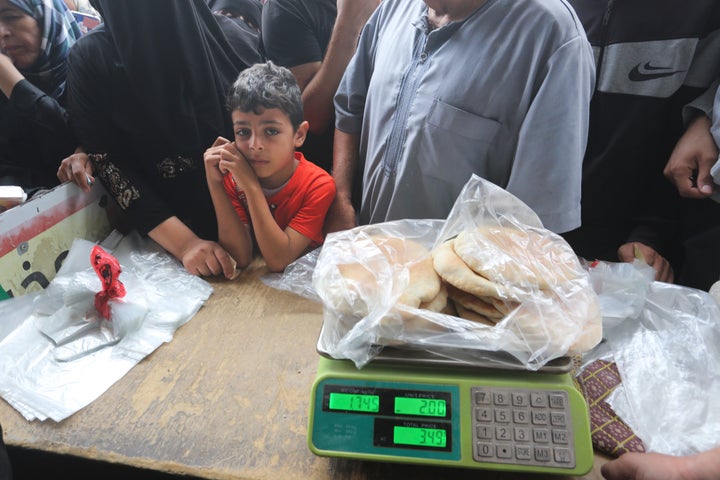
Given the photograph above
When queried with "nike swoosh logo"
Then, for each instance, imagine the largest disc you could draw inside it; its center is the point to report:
(642, 73)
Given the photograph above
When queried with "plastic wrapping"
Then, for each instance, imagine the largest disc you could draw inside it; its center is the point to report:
(63, 354)
(665, 340)
(371, 280)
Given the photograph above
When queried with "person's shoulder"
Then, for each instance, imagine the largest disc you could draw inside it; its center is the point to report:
(555, 15)
(94, 43)
(299, 7)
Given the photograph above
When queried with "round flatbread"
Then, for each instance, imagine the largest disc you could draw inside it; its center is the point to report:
(353, 288)
(455, 272)
(530, 257)
(502, 306)
(438, 303)
(468, 314)
(423, 283)
(476, 304)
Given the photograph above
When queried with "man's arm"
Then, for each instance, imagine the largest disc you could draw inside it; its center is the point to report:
(651, 466)
(319, 80)
(341, 215)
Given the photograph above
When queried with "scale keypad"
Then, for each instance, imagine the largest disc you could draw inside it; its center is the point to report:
(522, 426)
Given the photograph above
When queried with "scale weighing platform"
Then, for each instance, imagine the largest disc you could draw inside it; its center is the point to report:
(414, 407)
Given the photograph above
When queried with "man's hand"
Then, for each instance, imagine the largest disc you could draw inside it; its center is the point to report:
(340, 216)
(78, 169)
(206, 258)
(663, 270)
(646, 466)
(690, 162)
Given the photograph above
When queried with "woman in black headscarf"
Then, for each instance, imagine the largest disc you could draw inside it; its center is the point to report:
(243, 12)
(147, 96)
(240, 20)
(35, 37)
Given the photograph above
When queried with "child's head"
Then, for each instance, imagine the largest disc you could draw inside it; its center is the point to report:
(264, 86)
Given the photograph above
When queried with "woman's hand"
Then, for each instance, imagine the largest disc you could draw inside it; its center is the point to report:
(206, 258)
(77, 168)
(9, 75)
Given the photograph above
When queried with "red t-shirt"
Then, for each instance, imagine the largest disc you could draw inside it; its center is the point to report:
(301, 204)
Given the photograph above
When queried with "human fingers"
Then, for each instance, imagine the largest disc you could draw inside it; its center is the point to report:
(81, 177)
(78, 169)
(682, 170)
(227, 263)
(705, 181)
(623, 468)
(626, 253)
(220, 141)
(663, 269)
(690, 161)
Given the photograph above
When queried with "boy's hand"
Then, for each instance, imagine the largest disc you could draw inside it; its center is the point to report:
(212, 160)
(235, 162)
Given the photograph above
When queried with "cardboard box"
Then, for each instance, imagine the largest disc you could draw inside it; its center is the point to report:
(35, 236)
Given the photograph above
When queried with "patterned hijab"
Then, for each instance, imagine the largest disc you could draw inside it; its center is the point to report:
(59, 32)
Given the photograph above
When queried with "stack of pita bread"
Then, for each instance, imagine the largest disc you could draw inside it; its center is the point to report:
(484, 275)
(530, 274)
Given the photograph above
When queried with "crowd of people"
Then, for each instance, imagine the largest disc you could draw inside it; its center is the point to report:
(226, 127)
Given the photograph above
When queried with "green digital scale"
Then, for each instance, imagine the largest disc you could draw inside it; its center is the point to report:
(414, 407)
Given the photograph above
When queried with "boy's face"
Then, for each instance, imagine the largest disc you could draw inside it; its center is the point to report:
(268, 142)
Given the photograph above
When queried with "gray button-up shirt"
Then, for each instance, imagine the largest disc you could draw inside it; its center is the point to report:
(503, 94)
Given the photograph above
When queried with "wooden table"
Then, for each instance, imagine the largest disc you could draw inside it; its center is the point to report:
(192, 406)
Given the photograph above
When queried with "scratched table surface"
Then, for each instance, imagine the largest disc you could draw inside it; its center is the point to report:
(226, 398)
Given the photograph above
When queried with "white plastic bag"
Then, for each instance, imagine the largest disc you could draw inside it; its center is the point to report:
(665, 340)
(361, 316)
(56, 373)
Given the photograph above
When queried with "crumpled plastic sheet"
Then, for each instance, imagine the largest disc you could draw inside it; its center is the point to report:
(545, 326)
(665, 340)
(59, 354)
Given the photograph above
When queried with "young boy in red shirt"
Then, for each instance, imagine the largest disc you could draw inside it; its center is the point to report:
(264, 192)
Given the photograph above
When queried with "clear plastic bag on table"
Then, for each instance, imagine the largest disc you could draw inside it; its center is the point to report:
(665, 341)
(669, 360)
(63, 355)
(374, 284)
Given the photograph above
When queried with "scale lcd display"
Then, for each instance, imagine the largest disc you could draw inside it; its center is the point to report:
(427, 407)
(420, 437)
(353, 402)
(435, 404)
(412, 434)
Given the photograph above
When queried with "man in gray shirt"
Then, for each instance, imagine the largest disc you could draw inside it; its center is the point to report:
(441, 89)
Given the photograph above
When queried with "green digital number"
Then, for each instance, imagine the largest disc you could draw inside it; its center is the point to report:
(354, 402)
(420, 437)
(428, 407)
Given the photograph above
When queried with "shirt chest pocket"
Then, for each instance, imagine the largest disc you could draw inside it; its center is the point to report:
(456, 143)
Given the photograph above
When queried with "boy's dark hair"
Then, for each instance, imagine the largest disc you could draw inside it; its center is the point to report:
(266, 85)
